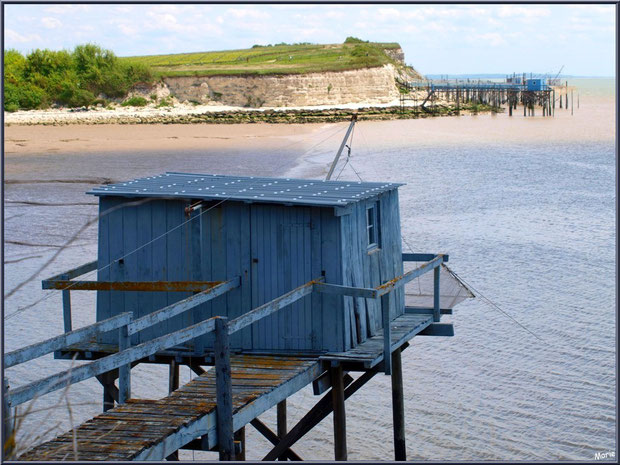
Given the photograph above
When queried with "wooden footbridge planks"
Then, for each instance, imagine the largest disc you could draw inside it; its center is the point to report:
(368, 354)
(145, 429)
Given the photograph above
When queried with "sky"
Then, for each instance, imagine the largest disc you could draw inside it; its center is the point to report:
(436, 39)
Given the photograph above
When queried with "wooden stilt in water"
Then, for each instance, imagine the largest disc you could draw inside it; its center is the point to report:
(110, 393)
(240, 439)
(173, 378)
(398, 407)
(281, 427)
(322, 408)
(173, 385)
(223, 389)
(340, 425)
(8, 422)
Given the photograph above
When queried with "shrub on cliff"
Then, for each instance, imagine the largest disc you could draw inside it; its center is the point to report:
(135, 102)
(354, 40)
(74, 79)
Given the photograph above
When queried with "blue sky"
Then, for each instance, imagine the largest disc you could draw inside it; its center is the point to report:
(436, 39)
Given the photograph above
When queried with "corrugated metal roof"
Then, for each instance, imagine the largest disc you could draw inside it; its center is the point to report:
(252, 189)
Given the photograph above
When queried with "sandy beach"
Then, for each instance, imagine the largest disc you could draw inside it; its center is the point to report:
(595, 120)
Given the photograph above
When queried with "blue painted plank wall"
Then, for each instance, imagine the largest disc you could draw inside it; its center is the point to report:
(370, 268)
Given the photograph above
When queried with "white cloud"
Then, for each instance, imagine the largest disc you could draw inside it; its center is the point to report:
(245, 13)
(333, 14)
(494, 39)
(65, 9)
(128, 30)
(51, 23)
(12, 36)
(530, 12)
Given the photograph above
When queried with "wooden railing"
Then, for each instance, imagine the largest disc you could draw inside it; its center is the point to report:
(383, 294)
(126, 354)
(126, 326)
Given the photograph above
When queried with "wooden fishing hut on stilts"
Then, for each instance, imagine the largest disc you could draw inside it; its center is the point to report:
(275, 283)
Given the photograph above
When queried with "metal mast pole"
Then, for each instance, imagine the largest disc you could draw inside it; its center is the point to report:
(344, 142)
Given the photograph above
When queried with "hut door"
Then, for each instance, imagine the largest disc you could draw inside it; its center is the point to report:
(280, 249)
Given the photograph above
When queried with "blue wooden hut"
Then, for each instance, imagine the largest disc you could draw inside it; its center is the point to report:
(536, 84)
(277, 283)
(275, 234)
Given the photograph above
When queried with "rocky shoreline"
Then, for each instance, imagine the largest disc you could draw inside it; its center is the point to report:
(240, 116)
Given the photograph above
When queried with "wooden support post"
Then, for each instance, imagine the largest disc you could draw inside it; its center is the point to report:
(340, 424)
(281, 422)
(107, 380)
(571, 102)
(398, 407)
(322, 408)
(240, 439)
(173, 385)
(8, 423)
(223, 389)
(263, 429)
(387, 333)
(436, 294)
(66, 310)
(196, 368)
(173, 376)
(124, 371)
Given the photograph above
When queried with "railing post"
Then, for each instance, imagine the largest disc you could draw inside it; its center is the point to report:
(8, 434)
(124, 371)
(223, 390)
(66, 307)
(436, 310)
(387, 333)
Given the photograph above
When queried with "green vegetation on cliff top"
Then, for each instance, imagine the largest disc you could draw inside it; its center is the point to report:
(91, 75)
(271, 59)
(86, 76)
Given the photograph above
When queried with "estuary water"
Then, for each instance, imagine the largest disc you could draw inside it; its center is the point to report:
(526, 208)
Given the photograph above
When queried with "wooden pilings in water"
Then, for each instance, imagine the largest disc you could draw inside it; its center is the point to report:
(398, 407)
(8, 424)
(239, 438)
(281, 421)
(340, 422)
(173, 385)
(221, 351)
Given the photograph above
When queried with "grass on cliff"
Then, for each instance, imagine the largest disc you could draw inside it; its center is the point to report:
(271, 59)
(90, 75)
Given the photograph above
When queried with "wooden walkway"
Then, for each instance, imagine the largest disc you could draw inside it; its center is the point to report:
(145, 429)
(369, 353)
